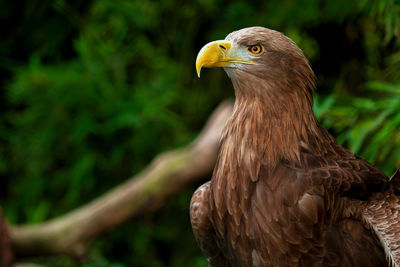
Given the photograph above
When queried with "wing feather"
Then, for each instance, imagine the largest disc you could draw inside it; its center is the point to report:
(383, 215)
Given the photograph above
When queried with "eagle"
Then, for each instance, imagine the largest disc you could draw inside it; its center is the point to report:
(283, 191)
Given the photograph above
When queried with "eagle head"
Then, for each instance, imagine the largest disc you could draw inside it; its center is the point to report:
(259, 56)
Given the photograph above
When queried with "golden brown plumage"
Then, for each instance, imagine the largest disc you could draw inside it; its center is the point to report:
(284, 192)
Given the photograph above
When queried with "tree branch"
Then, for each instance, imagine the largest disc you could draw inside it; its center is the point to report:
(168, 174)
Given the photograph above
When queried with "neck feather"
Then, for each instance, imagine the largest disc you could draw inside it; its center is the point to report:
(270, 122)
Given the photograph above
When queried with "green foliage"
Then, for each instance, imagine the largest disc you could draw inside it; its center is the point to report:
(367, 125)
(93, 90)
(367, 119)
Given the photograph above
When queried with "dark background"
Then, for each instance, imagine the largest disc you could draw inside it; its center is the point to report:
(92, 90)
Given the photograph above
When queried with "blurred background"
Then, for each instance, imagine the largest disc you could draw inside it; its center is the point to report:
(92, 90)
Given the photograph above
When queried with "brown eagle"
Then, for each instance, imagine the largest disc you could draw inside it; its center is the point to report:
(284, 192)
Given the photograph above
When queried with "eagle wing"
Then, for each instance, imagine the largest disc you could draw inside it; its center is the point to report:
(308, 208)
(203, 229)
(382, 214)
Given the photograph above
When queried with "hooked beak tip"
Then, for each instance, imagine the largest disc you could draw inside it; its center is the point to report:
(198, 70)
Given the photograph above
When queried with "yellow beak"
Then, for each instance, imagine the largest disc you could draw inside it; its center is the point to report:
(217, 54)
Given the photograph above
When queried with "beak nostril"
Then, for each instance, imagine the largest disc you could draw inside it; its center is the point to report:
(222, 47)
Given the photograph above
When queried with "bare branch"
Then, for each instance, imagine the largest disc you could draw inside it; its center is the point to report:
(168, 174)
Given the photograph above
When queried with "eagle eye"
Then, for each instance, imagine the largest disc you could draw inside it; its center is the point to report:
(255, 49)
